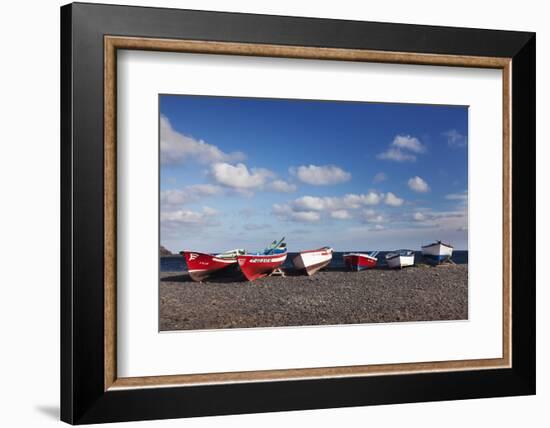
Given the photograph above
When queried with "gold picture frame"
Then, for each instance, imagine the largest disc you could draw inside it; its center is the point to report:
(114, 43)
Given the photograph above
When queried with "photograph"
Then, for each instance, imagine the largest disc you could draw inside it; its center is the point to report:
(274, 210)
(292, 212)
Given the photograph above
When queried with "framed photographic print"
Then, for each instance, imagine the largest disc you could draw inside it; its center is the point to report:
(265, 213)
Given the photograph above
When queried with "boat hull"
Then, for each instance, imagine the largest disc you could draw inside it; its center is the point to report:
(359, 262)
(437, 252)
(400, 262)
(259, 266)
(201, 266)
(313, 261)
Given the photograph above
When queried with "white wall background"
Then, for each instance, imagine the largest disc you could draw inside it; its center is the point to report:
(29, 218)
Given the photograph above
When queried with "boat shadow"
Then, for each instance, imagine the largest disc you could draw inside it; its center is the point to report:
(345, 269)
(301, 272)
(225, 278)
(335, 269)
(184, 277)
(214, 279)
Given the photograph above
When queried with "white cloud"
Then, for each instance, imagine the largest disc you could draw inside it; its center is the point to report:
(407, 142)
(378, 178)
(306, 216)
(352, 200)
(419, 217)
(445, 220)
(332, 203)
(371, 216)
(418, 184)
(321, 175)
(281, 209)
(457, 196)
(335, 207)
(187, 217)
(340, 214)
(188, 194)
(393, 200)
(403, 148)
(239, 177)
(455, 139)
(208, 211)
(315, 203)
(365, 231)
(282, 186)
(285, 211)
(396, 155)
(175, 197)
(176, 148)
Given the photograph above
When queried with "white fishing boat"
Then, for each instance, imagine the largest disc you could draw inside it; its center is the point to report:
(312, 261)
(437, 251)
(400, 258)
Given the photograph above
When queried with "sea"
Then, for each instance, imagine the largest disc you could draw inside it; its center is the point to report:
(176, 263)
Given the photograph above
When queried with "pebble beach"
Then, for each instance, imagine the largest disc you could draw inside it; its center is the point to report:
(330, 297)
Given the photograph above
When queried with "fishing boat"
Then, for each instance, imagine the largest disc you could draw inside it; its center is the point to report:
(200, 266)
(263, 263)
(400, 258)
(312, 261)
(360, 261)
(437, 251)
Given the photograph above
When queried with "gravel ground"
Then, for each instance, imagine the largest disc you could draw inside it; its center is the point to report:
(419, 293)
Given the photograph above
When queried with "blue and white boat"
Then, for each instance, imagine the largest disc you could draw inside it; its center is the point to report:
(437, 251)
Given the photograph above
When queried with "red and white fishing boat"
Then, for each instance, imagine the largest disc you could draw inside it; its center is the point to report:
(262, 264)
(360, 261)
(200, 266)
(312, 261)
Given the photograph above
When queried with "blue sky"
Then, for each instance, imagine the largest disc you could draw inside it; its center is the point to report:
(241, 172)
